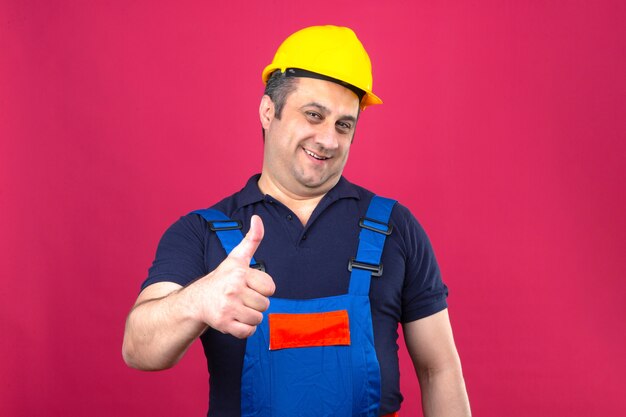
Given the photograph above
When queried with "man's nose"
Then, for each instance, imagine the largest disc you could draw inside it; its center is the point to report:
(327, 136)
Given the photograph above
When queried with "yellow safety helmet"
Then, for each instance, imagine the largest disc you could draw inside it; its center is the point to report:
(331, 51)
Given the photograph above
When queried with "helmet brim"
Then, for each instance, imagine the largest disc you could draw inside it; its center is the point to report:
(369, 98)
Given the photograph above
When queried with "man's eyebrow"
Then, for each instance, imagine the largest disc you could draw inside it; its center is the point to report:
(325, 110)
(319, 106)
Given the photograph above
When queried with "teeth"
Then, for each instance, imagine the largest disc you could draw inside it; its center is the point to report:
(314, 155)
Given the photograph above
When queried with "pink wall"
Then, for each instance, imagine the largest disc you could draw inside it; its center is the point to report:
(502, 129)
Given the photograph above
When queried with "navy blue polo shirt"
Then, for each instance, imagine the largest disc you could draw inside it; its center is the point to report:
(308, 262)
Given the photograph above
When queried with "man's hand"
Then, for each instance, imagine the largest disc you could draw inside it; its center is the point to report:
(167, 318)
(234, 296)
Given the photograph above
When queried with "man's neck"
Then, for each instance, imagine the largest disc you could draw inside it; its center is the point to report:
(301, 205)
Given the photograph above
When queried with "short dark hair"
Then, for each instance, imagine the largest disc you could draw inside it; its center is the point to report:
(278, 88)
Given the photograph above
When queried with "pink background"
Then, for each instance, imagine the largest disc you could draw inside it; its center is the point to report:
(503, 130)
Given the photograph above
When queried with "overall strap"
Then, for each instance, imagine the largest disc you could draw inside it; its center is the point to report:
(375, 228)
(228, 231)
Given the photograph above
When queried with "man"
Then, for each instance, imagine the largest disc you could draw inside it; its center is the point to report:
(300, 318)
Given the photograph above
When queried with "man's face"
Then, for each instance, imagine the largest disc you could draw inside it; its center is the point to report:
(307, 149)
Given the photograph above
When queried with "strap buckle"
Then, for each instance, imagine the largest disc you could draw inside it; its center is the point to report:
(376, 270)
(375, 226)
(260, 265)
(223, 225)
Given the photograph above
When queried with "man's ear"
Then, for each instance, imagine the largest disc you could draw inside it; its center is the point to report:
(266, 111)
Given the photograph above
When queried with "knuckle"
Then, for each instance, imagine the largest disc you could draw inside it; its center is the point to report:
(230, 289)
(222, 317)
(220, 325)
(233, 286)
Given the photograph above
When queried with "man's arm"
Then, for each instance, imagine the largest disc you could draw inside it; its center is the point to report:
(160, 328)
(438, 367)
(167, 318)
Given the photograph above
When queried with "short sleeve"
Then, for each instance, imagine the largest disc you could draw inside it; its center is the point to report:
(424, 292)
(180, 254)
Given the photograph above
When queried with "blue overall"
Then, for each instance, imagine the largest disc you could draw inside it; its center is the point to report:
(318, 374)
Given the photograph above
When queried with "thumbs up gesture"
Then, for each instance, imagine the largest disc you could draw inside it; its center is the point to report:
(234, 296)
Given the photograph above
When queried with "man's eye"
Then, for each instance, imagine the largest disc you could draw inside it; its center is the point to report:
(314, 115)
(344, 126)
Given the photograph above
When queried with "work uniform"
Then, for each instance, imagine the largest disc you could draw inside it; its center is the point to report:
(309, 262)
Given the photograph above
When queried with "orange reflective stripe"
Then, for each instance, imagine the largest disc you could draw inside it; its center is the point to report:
(309, 329)
(396, 414)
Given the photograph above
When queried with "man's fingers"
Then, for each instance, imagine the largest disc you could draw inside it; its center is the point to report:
(243, 290)
(245, 322)
(261, 282)
(240, 330)
(254, 300)
(245, 250)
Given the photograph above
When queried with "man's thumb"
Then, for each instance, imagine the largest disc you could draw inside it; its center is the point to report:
(245, 250)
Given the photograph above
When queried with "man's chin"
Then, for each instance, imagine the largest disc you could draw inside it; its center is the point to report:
(319, 184)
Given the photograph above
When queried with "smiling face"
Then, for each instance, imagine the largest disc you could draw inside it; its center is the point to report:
(307, 148)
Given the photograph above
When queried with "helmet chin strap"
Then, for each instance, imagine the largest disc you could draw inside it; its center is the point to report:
(297, 72)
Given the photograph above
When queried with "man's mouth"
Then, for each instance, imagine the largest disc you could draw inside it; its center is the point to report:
(316, 156)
